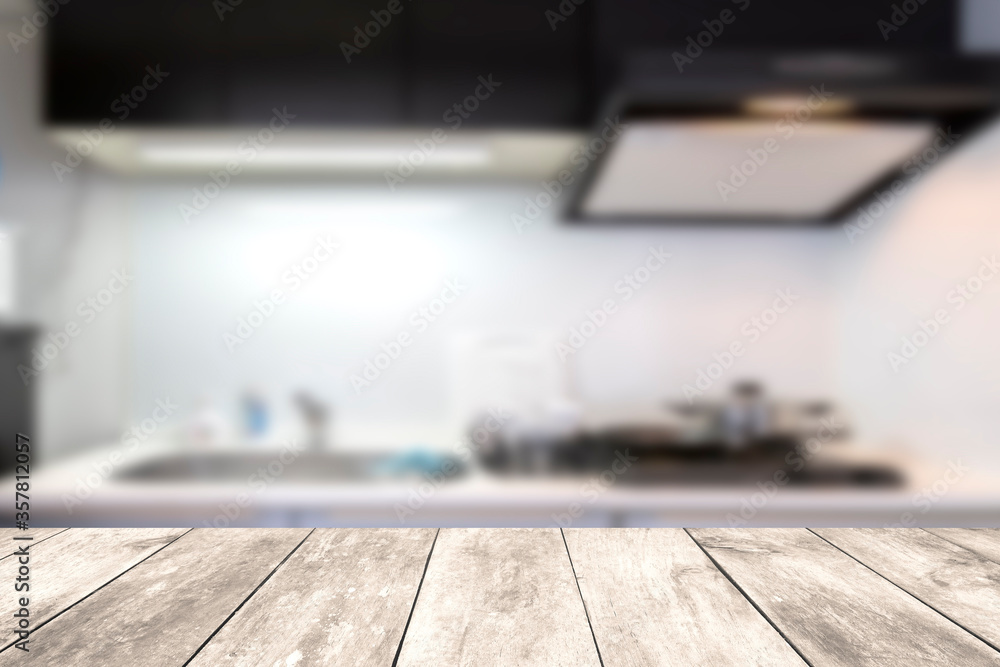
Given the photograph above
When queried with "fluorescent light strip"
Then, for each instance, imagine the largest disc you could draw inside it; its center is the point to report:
(286, 156)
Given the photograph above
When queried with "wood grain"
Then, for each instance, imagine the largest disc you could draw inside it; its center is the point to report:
(984, 541)
(75, 563)
(957, 582)
(654, 598)
(162, 610)
(499, 597)
(509, 597)
(834, 609)
(343, 598)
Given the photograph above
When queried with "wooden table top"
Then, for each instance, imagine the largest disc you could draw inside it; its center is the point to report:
(511, 596)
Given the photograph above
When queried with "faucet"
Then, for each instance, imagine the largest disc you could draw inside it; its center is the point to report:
(315, 414)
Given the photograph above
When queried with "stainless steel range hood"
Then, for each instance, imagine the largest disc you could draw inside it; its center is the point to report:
(745, 137)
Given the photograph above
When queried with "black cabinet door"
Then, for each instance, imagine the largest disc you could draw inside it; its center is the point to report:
(373, 63)
(98, 52)
(539, 58)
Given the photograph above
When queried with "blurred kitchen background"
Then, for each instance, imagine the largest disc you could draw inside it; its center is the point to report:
(483, 263)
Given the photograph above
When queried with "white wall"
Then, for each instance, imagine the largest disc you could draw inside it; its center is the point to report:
(194, 283)
(858, 300)
(900, 272)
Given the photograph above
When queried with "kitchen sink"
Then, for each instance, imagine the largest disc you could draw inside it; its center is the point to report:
(305, 468)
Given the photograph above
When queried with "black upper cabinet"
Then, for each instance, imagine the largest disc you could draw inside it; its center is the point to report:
(543, 73)
(98, 51)
(233, 63)
(290, 54)
(425, 58)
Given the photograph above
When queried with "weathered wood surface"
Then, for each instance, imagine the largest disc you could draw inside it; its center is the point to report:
(499, 597)
(162, 610)
(509, 597)
(984, 541)
(957, 582)
(834, 610)
(343, 598)
(654, 598)
(9, 545)
(73, 564)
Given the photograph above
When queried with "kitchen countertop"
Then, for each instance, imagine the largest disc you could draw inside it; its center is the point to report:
(480, 499)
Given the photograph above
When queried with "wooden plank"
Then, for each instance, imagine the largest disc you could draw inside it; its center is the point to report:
(957, 582)
(7, 536)
(342, 598)
(162, 610)
(499, 597)
(654, 598)
(834, 610)
(984, 541)
(75, 563)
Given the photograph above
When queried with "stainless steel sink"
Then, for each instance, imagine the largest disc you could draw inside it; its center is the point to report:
(239, 467)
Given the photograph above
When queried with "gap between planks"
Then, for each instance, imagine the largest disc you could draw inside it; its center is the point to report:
(749, 599)
(399, 647)
(96, 590)
(582, 600)
(908, 592)
(247, 598)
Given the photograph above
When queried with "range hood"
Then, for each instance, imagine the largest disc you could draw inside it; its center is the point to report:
(743, 137)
